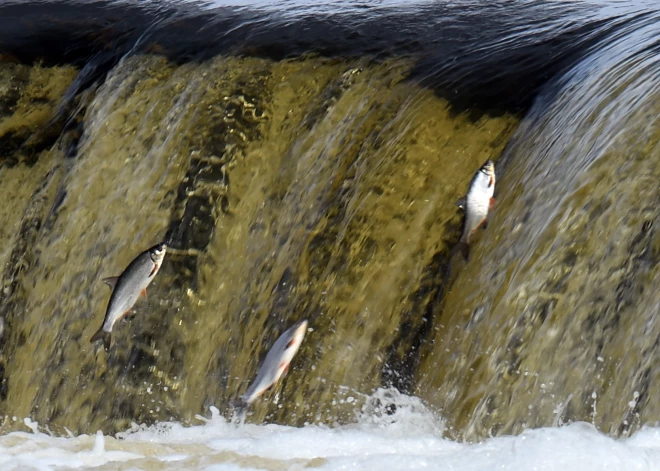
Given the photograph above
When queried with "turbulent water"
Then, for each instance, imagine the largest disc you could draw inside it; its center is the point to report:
(406, 440)
(304, 163)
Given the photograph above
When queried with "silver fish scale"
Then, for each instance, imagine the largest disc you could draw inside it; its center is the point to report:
(477, 203)
(128, 288)
(268, 371)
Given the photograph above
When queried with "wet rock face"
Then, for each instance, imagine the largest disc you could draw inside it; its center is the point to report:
(296, 189)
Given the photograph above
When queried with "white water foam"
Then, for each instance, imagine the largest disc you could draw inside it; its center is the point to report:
(409, 438)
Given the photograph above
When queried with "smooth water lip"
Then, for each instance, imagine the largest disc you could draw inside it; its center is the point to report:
(307, 4)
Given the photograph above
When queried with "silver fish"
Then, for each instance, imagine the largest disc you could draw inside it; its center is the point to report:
(128, 287)
(476, 204)
(276, 363)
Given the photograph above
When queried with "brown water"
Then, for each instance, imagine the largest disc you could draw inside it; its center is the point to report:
(556, 319)
(324, 189)
(336, 191)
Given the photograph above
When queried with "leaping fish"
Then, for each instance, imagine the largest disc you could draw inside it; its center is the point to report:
(276, 363)
(476, 204)
(128, 287)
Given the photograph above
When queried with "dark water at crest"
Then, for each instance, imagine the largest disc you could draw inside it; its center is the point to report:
(489, 55)
(304, 162)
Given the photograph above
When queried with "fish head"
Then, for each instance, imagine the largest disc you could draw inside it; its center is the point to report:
(295, 338)
(300, 330)
(488, 169)
(157, 252)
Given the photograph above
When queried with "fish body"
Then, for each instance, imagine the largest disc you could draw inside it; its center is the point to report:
(127, 289)
(478, 201)
(276, 363)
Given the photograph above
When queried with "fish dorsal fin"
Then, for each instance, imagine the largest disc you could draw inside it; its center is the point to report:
(462, 203)
(111, 281)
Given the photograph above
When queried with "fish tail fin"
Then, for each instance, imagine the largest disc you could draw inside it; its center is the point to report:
(464, 244)
(464, 247)
(240, 403)
(102, 335)
(240, 406)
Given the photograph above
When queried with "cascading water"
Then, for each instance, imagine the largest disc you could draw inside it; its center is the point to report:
(305, 164)
(281, 200)
(556, 319)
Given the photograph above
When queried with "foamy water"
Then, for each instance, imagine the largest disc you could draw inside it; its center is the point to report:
(409, 439)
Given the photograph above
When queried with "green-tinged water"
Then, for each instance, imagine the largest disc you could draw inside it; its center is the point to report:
(306, 188)
(325, 189)
(556, 319)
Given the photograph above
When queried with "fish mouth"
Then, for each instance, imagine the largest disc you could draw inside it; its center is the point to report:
(302, 325)
(301, 329)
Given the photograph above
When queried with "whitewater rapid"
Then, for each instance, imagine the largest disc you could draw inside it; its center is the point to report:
(408, 439)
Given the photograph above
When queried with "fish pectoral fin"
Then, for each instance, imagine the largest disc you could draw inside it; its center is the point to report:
(290, 344)
(153, 272)
(461, 203)
(111, 281)
(491, 203)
